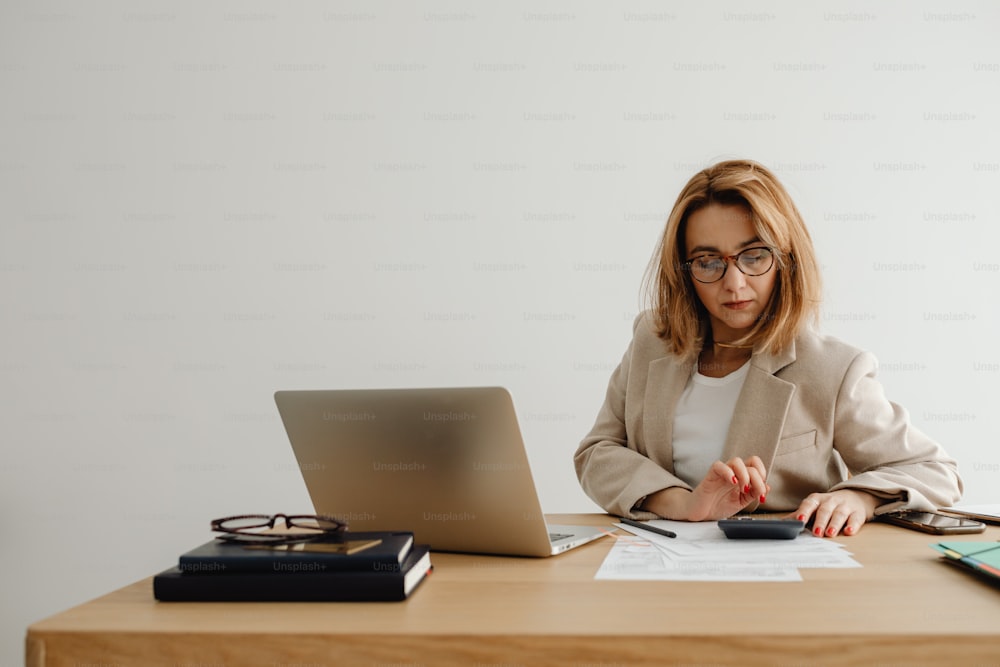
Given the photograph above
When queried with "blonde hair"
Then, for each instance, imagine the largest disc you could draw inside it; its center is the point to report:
(680, 318)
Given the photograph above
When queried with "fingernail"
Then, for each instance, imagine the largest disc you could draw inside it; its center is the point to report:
(829, 531)
(816, 531)
(849, 530)
(746, 489)
(801, 517)
(763, 498)
(734, 479)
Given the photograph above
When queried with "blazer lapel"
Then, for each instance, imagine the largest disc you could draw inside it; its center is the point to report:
(664, 385)
(760, 410)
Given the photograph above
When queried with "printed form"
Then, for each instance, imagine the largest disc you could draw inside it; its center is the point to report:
(702, 552)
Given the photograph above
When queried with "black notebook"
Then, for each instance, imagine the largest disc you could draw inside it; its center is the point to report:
(342, 551)
(392, 583)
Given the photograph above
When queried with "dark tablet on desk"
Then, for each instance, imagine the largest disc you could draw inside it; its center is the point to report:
(754, 528)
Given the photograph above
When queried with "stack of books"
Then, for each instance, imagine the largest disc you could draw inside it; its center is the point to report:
(977, 556)
(343, 567)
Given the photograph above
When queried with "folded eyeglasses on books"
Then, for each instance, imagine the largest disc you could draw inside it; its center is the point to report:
(262, 528)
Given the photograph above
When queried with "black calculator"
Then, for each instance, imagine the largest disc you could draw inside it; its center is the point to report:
(759, 528)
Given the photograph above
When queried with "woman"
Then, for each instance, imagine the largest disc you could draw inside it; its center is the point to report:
(727, 401)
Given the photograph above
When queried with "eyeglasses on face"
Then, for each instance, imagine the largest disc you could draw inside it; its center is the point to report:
(755, 261)
(256, 527)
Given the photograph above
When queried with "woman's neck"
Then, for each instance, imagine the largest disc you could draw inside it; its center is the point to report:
(721, 359)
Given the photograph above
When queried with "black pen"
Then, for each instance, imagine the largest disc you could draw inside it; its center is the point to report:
(652, 529)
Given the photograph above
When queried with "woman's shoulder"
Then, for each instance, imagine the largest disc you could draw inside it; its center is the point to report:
(818, 350)
(812, 340)
(646, 340)
(645, 326)
(644, 323)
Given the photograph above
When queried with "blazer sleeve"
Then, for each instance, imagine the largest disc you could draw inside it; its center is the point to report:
(611, 462)
(886, 455)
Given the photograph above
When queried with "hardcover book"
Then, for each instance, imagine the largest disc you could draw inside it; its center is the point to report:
(380, 583)
(342, 551)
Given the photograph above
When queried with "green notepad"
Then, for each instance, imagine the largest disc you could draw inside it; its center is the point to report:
(981, 556)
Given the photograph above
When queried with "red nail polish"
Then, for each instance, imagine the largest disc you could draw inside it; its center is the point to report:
(849, 530)
(829, 531)
(763, 498)
(816, 531)
(746, 489)
(734, 479)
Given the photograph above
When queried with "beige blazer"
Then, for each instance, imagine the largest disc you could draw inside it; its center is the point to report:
(815, 414)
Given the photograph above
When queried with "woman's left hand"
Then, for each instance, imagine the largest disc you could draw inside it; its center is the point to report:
(842, 511)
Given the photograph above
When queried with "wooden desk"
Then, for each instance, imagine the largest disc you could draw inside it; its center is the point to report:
(902, 607)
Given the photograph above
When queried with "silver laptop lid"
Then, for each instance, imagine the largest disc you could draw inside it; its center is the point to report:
(447, 464)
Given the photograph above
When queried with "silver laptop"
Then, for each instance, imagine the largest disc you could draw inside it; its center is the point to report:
(447, 464)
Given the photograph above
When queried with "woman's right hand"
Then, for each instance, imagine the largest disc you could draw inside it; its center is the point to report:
(727, 488)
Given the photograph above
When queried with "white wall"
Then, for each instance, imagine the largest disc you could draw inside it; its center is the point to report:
(202, 203)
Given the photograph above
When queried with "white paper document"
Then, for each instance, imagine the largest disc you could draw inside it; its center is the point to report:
(702, 552)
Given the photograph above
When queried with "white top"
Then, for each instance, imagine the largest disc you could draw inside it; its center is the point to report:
(702, 420)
